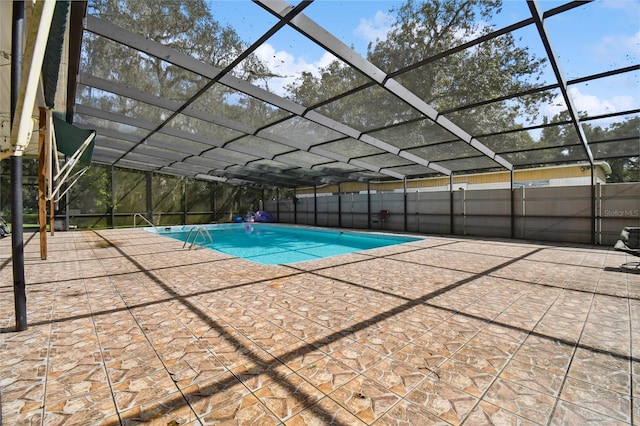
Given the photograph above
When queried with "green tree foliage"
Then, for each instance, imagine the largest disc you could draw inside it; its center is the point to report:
(618, 144)
(29, 186)
(335, 79)
(623, 150)
(92, 193)
(186, 26)
(489, 70)
(129, 191)
(189, 27)
(168, 193)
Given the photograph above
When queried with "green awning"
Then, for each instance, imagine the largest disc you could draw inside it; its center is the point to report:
(53, 52)
(70, 139)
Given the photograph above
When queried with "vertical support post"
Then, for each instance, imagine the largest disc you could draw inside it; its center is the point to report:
(184, 200)
(42, 202)
(112, 208)
(214, 206)
(277, 204)
(149, 193)
(451, 204)
(404, 188)
(464, 211)
(315, 205)
(523, 232)
(339, 207)
(48, 168)
(417, 212)
(369, 205)
(598, 207)
(17, 237)
(295, 207)
(593, 204)
(513, 200)
(17, 240)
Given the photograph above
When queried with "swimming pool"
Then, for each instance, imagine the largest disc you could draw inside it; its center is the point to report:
(273, 244)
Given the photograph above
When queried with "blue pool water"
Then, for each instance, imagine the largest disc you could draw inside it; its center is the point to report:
(273, 244)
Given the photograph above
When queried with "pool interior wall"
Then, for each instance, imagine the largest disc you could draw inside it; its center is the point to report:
(275, 244)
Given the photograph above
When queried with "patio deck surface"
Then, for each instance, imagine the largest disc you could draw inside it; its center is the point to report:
(126, 327)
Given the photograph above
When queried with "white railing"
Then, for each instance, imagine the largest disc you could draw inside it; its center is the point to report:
(198, 231)
(143, 218)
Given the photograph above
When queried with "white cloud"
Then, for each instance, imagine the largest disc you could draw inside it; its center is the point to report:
(620, 47)
(592, 104)
(597, 106)
(286, 67)
(375, 28)
(630, 7)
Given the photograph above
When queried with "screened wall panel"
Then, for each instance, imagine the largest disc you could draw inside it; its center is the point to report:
(168, 194)
(130, 195)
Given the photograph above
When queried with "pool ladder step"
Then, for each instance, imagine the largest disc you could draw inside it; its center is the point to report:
(140, 215)
(197, 231)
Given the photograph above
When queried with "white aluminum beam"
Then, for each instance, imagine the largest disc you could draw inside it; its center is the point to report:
(36, 38)
(105, 29)
(318, 34)
(538, 17)
(135, 41)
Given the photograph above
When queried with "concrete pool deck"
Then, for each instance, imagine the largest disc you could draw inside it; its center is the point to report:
(127, 327)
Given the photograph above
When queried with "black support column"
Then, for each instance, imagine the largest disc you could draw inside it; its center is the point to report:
(17, 236)
(315, 205)
(339, 207)
(149, 196)
(369, 224)
(405, 203)
(513, 201)
(451, 218)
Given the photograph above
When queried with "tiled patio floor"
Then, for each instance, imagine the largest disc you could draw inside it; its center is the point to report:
(126, 327)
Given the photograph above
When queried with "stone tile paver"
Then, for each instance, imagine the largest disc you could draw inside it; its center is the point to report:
(127, 327)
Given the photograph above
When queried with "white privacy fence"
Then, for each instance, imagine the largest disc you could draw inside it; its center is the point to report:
(576, 214)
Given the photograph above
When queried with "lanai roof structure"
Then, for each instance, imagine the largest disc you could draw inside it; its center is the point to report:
(231, 122)
(128, 326)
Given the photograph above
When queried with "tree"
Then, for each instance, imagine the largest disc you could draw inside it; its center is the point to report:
(624, 150)
(485, 71)
(92, 193)
(618, 145)
(188, 27)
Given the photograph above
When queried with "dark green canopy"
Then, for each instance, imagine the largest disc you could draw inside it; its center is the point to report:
(70, 138)
(53, 53)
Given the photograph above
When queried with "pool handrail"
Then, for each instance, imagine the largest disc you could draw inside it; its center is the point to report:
(199, 230)
(143, 218)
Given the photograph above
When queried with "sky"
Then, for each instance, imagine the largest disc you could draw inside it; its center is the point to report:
(590, 39)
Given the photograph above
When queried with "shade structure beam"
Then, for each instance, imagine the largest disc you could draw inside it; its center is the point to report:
(220, 73)
(315, 32)
(220, 165)
(101, 114)
(187, 136)
(119, 35)
(128, 91)
(538, 17)
(264, 179)
(123, 90)
(255, 129)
